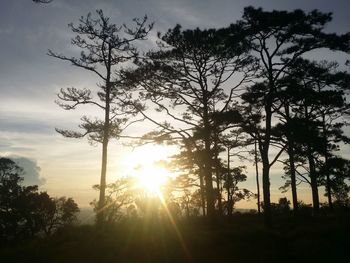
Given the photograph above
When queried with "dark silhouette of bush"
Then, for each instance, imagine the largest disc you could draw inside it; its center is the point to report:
(24, 211)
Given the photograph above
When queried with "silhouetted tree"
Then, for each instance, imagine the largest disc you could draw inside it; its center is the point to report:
(24, 211)
(315, 93)
(286, 129)
(190, 202)
(104, 48)
(120, 195)
(188, 166)
(330, 87)
(256, 162)
(61, 212)
(10, 189)
(336, 177)
(231, 179)
(189, 74)
(278, 39)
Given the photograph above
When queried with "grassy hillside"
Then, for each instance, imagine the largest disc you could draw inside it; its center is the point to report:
(240, 239)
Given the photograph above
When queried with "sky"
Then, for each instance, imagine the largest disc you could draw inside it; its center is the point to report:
(30, 80)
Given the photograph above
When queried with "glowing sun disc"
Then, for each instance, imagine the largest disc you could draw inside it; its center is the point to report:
(152, 178)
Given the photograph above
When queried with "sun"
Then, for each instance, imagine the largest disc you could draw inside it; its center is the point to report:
(151, 178)
(144, 164)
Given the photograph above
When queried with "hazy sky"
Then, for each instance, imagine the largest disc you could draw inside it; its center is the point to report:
(29, 79)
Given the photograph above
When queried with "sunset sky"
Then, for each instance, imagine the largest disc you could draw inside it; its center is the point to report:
(29, 81)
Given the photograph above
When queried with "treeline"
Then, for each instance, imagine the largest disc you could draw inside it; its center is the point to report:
(259, 89)
(25, 212)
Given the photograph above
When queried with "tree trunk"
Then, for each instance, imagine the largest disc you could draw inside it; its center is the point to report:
(257, 175)
(329, 193)
(228, 183)
(229, 205)
(202, 188)
(218, 176)
(209, 193)
(208, 165)
(312, 168)
(314, 188)
(326, 160)
(218, 193)
(266, 190)
(106, 127)
(292, 175)
(264, 153)
(290, 150)
(101, 204)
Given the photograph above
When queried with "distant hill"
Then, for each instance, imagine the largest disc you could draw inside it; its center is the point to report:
(86, 215)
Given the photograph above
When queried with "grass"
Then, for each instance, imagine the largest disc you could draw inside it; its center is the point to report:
(242, 238)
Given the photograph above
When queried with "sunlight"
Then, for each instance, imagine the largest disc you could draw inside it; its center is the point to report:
(145, 164)
(151, 178)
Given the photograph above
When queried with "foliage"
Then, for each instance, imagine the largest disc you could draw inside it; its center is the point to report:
(26, 212)
(279, 40)
(231, 180)
(252, 82)
(105, 48)
(185, 80)
(120, 196)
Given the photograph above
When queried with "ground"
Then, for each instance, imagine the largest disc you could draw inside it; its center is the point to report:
(242, 238)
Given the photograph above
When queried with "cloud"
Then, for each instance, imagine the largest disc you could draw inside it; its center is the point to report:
(5, 144)
(31, 171)
(24, 125)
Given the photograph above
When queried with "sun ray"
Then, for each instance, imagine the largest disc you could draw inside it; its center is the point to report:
(175, 227)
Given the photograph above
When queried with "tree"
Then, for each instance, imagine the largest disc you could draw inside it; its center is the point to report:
(10, 177)
(120, 195)
(185, 79)
(337, 176)
(231, 179)
(60, 213)
(329, 86)
(24, 211)
(189, 203)
(278, 39)
(282, 207)
(256, 162)
(188, 164)
(104, 48)
(315, 93)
